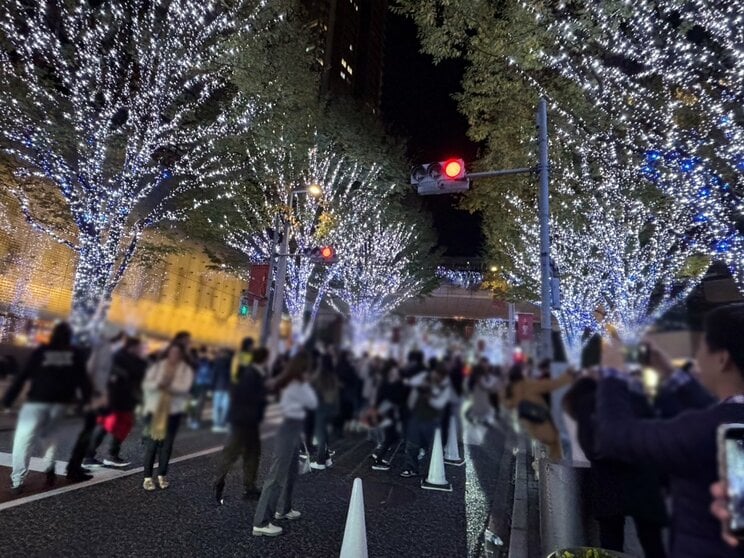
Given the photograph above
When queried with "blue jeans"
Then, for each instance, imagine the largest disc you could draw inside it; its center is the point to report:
(220, 406)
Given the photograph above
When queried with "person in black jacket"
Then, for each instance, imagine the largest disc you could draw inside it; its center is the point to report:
(246, 413)
(618, 489)
(684, 447)
(57, 375)
(124, 394)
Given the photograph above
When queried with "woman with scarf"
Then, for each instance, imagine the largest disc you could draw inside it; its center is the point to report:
(166, 389)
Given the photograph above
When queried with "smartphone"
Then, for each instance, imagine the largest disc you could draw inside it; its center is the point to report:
(731, 466)
(638, 354)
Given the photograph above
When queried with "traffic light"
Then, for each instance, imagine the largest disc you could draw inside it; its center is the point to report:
(325, 255)
(244, 308)
(443, 177)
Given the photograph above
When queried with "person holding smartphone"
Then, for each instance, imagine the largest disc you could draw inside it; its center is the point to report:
(684, 447)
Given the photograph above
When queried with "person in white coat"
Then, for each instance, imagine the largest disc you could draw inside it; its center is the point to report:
(297, 397)
(166, 391)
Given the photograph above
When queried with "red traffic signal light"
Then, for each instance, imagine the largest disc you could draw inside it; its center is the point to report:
(323, 255)
(454, 168)
(327, 252)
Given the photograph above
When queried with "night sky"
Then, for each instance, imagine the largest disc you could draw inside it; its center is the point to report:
(417, 106)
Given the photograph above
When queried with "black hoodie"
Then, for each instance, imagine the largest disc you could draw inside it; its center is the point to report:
(56, 375)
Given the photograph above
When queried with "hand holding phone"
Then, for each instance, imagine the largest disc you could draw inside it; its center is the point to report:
(719, 508)
(731, 465)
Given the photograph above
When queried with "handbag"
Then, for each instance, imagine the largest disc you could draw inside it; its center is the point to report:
(304, 462)
(532, 412)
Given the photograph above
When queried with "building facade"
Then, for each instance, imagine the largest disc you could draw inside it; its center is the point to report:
(349, 46)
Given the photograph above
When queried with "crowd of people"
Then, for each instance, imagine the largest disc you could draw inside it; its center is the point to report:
(641, 449)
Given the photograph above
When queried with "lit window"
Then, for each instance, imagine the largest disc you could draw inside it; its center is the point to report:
(343, 75)
(351, 48)
(351, 73)
(343, 63)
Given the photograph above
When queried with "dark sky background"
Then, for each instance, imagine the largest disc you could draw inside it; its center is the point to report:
(417, 105)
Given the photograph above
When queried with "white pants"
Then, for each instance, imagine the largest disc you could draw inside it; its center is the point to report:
(35, 421)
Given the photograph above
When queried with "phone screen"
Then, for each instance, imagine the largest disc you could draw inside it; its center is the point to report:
(734, 453)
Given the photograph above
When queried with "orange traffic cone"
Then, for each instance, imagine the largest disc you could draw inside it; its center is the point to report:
(436, 480)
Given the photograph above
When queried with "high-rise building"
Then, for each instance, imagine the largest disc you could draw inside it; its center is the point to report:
(349, 43)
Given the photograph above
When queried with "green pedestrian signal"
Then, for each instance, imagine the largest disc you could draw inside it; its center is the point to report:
(244, 310)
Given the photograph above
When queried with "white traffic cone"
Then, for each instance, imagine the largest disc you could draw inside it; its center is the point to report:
(436, 480)
(355, 533)
(452, 452)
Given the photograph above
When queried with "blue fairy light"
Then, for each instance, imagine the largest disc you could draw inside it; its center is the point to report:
(688, 164)
(722, 246)
(167, 174)
(653, 155)
(700, 218)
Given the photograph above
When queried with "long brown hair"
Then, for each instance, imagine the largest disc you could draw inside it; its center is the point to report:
(295, 369)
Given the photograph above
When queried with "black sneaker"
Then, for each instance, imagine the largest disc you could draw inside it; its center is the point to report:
(51, 476)
(92, 463)
(381, 465)
(78, 476)
(407, 473)
(219, 488)
(113, 461)
(251, 493)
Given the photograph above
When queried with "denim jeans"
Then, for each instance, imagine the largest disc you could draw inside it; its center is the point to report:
(35, 421)
(220, 406)
(324, 415)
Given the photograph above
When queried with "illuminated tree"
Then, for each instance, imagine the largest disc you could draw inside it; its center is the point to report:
(383, 263)
(348, 191)
(123, 106)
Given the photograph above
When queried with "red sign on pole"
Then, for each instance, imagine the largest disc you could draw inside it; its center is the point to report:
(525, 327)
(257, 282)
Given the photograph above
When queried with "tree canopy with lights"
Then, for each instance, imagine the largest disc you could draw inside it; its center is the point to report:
(123, 107)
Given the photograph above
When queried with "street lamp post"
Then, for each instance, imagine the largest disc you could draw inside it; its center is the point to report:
(274, 317)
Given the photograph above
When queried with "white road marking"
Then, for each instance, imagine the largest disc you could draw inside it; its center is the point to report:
(99, 475)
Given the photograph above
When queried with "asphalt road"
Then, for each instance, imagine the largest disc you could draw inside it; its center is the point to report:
(117, 517)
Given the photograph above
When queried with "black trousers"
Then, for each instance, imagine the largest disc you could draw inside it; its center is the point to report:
(161, 448)
(80, 451)
(243, 441)
(99, 435)
(612, 535)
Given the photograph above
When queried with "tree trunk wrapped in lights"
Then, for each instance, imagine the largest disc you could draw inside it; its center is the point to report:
(123, 106)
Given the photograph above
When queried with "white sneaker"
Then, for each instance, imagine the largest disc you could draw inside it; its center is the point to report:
(317, 466)
(270, 530)
(291, 515)
(329, 462)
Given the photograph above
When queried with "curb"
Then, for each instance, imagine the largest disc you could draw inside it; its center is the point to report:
(518, 547)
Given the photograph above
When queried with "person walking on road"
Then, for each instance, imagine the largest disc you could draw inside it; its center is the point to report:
(429, 395)
(124, 394)
(57, 374)
(246, 413)
(166, 390)
(297, 397)
(326, 385)
(203, 380)
(221, 390)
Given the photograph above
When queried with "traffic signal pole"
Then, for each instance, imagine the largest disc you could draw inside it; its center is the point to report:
(435, 184)
(543, 168)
